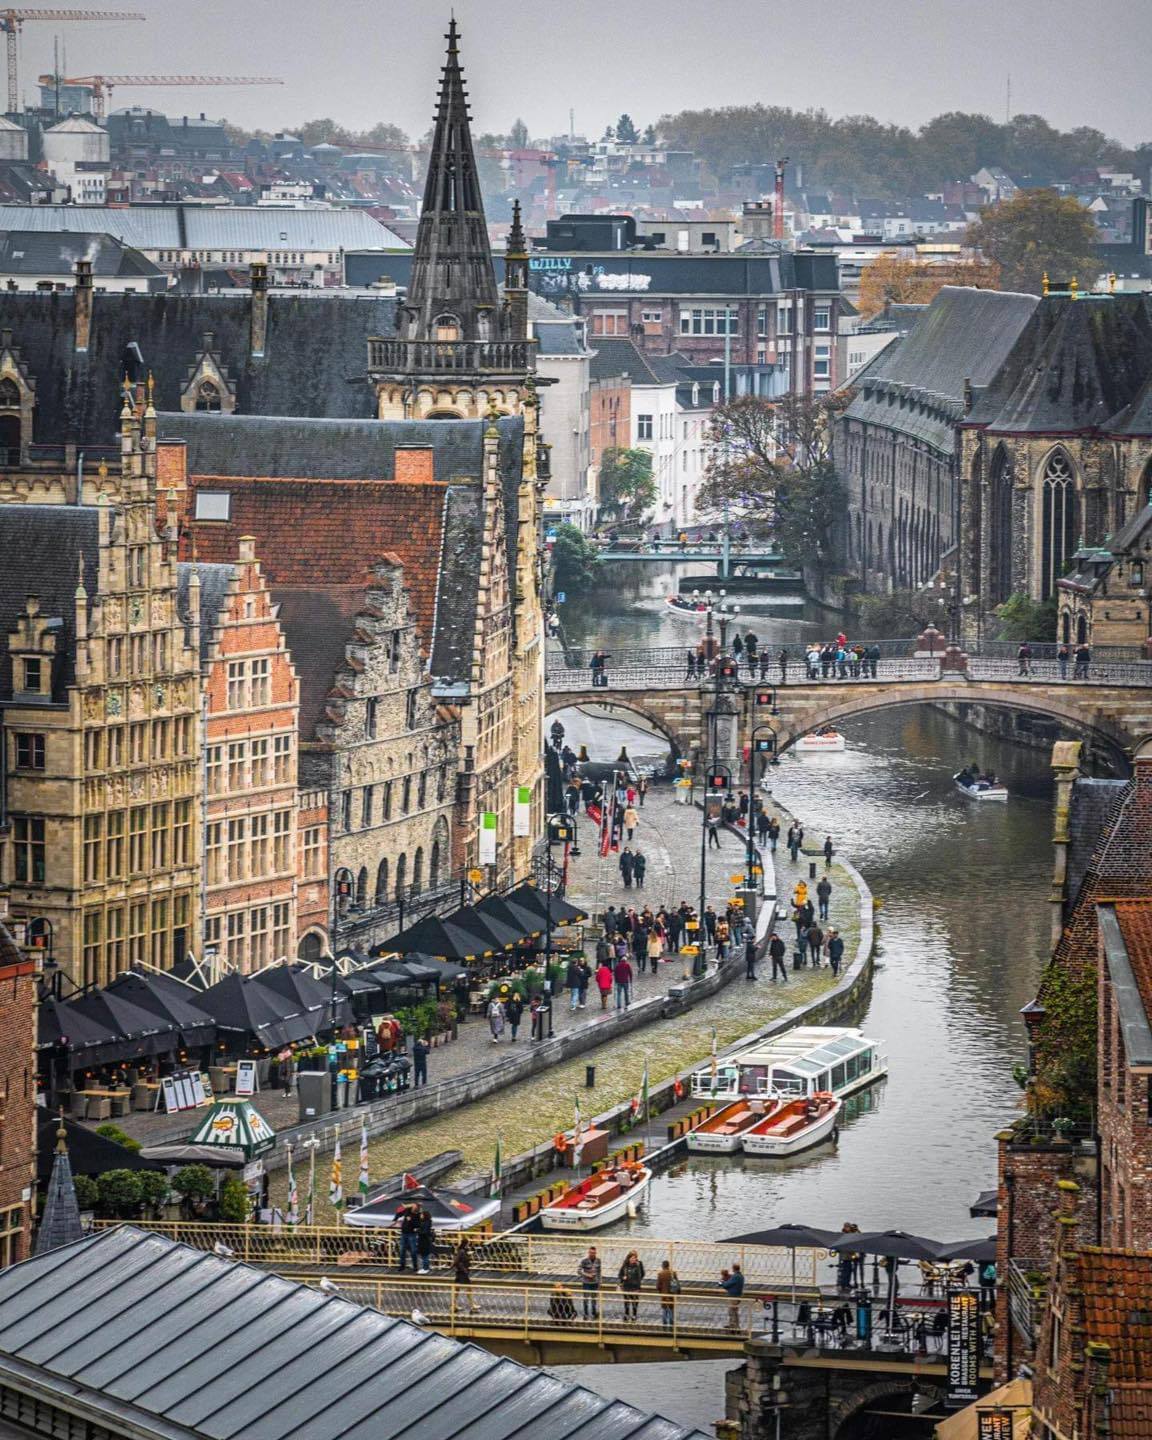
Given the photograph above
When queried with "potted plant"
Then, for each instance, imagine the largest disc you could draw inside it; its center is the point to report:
(194, 1184)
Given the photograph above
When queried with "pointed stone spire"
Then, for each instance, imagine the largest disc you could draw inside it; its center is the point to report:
(516, 278)
(452, 274)
(60, 1220)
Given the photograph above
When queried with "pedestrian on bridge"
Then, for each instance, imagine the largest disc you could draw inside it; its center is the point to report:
(631, 1278)
(1063, 655)
(732, 1283)
(462, 1275)
(872, 655)
(589, 1273)
(1083, 659)
(409, 1218)
(782, 660)
(667, 1287)
(777, 950)
(1024, 659)
(765, 663)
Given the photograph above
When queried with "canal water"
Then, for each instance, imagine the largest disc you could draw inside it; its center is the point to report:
(963, 929)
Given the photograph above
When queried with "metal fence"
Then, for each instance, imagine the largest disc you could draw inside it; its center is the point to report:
(350, 1249)
(1024, 1298)
(1051, 672)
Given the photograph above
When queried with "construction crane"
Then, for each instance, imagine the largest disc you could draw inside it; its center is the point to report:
(103, 85)
(12, 21)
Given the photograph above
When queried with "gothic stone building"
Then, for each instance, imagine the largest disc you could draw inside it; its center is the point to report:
(1056, 453)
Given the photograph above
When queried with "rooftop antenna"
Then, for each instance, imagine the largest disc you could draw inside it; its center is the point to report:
(571, 123)
(56, 68)
(1008, 100)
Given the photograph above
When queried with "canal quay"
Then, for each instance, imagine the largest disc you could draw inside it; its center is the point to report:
(962, 928)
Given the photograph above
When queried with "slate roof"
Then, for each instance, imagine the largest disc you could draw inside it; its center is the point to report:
(60, 1217)
(314, 361)
(42, 546)
(214, 582)
(1092, 806)
(170, 1341)
(1078, 365)
(557, 338)
(618, 356)
(31, 252)
(964, 334)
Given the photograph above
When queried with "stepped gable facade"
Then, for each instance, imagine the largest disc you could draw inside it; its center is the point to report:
(1056, 452)
(896, 444)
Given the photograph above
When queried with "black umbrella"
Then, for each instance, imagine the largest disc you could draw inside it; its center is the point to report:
(893, 1244)
(308, 996)
(446, 971)
(982, 1251)
(172, 1002)
(986, 1203)
(59, 1024)
(89, 1153)
(502, 933)
(562, 912)
(802, 1237)
(521, 918)
(140, 1032)
(414, 969)
(240, 1005)
(435, 936)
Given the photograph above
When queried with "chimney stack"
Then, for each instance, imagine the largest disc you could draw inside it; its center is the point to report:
(83, 302)
(259, 325)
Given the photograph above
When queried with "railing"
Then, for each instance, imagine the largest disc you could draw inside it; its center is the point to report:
(1098, 671)
(449, 355)
(1025, 1295)
(353, 1250)
(1047, 650)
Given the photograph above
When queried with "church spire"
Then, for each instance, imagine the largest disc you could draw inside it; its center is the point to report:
(60, 1220)
(452, 274)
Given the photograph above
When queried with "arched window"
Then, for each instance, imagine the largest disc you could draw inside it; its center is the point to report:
(438, 862)
(1000, 488)
(382, 883)
(434, 866)
(11, 436)
(1066, 628)
(208, 397)
(1081, 629)
(446, 327)
(344, 887)
(418, 871)
(401, 876)
(362, 887)
(1058, 521)
(9, 394)
(309, 949)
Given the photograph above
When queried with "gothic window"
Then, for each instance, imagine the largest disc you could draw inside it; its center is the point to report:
(1081, 629)
(382, 883)
(11, 422)
(208, 398)
(418, 871)
(401, 876)
(9, 395)
(446, 327)
(362, 887)
(1000, 529)
(310, 949)
(1058, 521)
(1066, 628)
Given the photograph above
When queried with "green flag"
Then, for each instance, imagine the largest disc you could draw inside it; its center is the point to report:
(497, 1168)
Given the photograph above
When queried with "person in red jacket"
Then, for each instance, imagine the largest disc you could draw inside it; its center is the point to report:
(623, 977)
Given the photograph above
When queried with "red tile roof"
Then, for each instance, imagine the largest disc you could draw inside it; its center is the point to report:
(1135, 921)
(1117, 1298)
(318, 542)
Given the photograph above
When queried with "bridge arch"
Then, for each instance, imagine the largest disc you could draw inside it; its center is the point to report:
(849, 1417)
(665, 712)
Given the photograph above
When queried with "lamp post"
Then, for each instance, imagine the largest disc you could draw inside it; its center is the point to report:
(765, 746)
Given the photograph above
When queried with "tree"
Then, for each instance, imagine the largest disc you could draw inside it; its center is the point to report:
(385, 136)
(194, 1184)
(649, 135)
(575, 565)
(1022, 618)
(891, 617)
(233, 1204)
(627, 486)
(890, 280)
(810, 506)
(1036, 234)
(518, 135)
(153, 1188)
(119, 1192)
(626, 132)
(87, 1192)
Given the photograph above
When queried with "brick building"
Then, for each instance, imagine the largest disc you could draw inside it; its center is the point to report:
(1106, 599)
(250, 746)
(17, 1098)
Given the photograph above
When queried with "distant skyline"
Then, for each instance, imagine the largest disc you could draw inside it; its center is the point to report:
(365, 61)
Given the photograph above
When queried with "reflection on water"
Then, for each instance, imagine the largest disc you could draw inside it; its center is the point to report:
(963, 929)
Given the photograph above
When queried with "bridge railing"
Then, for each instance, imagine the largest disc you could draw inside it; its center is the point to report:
(1097, 672)
(1047, 650)
(350, 1248)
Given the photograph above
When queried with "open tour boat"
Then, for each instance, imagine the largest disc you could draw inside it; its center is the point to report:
(979, 787)
(797, 1125)
(606, 1196)
(802, 1062)
(722, 1133)
(824, 741)
(690, 609)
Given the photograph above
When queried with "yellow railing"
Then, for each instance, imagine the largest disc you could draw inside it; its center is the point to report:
(607, 1316)
(347, 1249)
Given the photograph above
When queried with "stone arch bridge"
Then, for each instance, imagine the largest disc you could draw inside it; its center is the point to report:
(1113, 706)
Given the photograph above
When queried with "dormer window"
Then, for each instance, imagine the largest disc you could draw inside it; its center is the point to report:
(446, 327)
(33, 668)
(1136, 574)
(208, 398)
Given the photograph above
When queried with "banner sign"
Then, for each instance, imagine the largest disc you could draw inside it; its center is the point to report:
(487, 837)
(182, 1090)
(522, 812)
(246, 1077)
(963, 1347)
(994, 1424)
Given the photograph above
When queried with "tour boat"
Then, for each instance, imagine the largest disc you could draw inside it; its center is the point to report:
(980, 789)
(798, 1064)
(722, 1133)
(824, 741)
(606, 1196)
(690, 609)
(797, 1125)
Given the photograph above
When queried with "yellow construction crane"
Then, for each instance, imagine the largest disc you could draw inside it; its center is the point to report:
(12, 21)
(103, 85)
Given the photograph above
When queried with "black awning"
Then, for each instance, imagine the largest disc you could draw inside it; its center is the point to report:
(170, 1000)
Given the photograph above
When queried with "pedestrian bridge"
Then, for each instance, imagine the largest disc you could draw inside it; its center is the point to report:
(1114, 702)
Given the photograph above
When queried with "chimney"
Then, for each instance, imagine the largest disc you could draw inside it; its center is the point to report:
(259, 323)
(83, 302)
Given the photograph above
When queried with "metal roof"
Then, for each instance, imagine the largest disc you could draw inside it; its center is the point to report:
(159, 1339)
(211, 227)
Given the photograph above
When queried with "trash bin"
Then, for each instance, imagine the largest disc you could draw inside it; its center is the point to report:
(589, 1077)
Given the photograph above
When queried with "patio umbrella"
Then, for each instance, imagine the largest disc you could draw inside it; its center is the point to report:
(893, 1245)
(436, 936)
(90, 1040)
(241, 1006)
(139, 1031)
(986, 1203)
(503, 934)
(521, 918)
(308, 996)
(562, 912)
(446, 971)
(793, 1237)
(982, 1251)
(415, 969)
(148, 991)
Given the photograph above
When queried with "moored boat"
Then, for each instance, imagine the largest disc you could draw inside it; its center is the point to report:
(797, 1125)
(603, 1197)
(722, 1133)
(979, 787)
(824, 741)
(795, 1065)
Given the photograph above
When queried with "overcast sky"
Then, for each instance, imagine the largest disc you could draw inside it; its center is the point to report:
(361, 61)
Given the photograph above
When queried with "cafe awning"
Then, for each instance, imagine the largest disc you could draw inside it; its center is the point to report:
(87, 1041)
(242, 1007)
(308, 997)
(436, 936)
(234, 1123)
(170, 1000)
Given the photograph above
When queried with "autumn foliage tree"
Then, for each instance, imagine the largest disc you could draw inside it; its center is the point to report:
(1035, 234)
(891, 280)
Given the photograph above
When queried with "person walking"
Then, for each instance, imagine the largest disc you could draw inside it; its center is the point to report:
(462, 1275)
(589, 1273)
(513, 1013)
(777, 950)
(823, 895)
(763, 826)
(732, 1283)
(585, 980)
(655, 948)
(765, 663)
(710, 924)
(828, 850)
(815, 944)
(536, 1018)
(835, 950)
(1063, 655)
(496, 1018)
(1024, 659)
(723, 934)
(773, 833)
(631, 820)
(419, 1062)
(623, 977)
(572, 984)
(642, 790)
(667, 1287)
(1083, 658)
(604, 982)
(690, 672)
(627, 867)
(782, 660)
(793, 843)
(639, 868)
(284, 1059)
(712, 824)
(425, 1239)
(803, 932)
(750, 958)
(631, 1278)
(872, 655)
(409, 1217)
